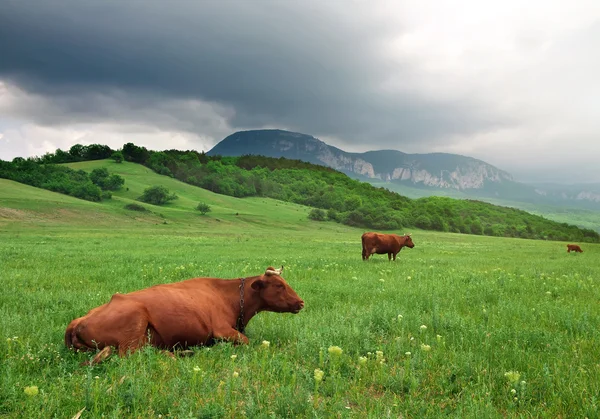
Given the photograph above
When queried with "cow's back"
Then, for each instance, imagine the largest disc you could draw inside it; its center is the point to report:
(180, 298)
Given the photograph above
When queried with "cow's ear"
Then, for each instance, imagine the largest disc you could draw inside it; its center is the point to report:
(258, 284)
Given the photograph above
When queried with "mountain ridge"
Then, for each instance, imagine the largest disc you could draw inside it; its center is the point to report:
(466, 175)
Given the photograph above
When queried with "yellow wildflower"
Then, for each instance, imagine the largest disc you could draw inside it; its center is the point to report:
(31, 390)
(319, 375)
(335, 350)
(513, 376)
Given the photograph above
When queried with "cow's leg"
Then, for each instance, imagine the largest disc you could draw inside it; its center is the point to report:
(231, 335)
(122, 324)
(390, 257)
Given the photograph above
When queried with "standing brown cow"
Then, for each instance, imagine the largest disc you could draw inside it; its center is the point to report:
(194, 312)
(574, 248)
(384, 243)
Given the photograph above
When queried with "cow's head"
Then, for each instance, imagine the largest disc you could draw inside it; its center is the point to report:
(408, 241)
(275, 293)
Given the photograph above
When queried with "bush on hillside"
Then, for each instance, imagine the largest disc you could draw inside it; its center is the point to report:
(203, 208)
(117, 156)
(105, 181)
(135, 207)
(88, 191)
(317, 214)
(157, 195)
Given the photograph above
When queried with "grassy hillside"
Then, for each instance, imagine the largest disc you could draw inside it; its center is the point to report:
(334, 195)
(250, 211)
(467, 326)
(586, 218)
(44, 208)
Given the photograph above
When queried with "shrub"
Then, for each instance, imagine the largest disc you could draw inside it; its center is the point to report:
(87, 191)
(113, 182)
(332, 214)
(117, 156)
(157, 195)
(203, 208)
(107, 182)
(135, 207)
(99, 175)
(317, 215)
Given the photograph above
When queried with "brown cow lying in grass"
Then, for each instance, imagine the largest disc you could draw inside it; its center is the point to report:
(194, 312)
(384, 243)
(574, 247)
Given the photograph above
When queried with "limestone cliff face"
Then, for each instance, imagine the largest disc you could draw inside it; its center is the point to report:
(346, 163)
(468, 174)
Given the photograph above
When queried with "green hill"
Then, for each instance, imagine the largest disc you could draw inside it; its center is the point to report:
(39, 207)
(333, 195)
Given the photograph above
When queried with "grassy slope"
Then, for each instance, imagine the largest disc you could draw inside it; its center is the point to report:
(39, 207)
(497, 304)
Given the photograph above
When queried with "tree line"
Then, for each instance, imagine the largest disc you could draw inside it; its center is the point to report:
(332, 194)
(95, 186)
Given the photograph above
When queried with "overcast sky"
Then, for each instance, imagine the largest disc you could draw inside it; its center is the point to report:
(513, 83)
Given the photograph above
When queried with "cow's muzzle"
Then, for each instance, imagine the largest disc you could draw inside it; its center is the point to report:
(298, 306)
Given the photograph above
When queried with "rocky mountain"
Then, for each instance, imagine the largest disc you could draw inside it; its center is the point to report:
(582, 192)
(430, 173)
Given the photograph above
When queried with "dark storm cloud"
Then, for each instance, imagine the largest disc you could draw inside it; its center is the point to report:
(308, 66)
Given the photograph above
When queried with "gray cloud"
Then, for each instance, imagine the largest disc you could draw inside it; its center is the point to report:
(497, 81)
(316, 67)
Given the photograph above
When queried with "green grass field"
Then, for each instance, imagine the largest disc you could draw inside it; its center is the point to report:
(450, 318)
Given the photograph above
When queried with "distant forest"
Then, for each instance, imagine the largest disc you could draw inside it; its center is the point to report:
(334, 195)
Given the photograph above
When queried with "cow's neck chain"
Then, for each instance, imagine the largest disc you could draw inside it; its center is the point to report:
(240, 320)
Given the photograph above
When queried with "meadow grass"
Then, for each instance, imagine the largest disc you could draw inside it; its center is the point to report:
(459, 326)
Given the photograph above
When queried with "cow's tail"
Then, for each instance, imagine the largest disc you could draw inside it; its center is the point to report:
(364, 249)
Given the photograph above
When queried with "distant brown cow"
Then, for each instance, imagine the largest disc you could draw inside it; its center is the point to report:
(384, 243)
(574, 248)
(194, 312)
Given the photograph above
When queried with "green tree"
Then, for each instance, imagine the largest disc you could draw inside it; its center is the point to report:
(113, 182)
(98, 176)
(101, 177)
(203, 208)
(157, 195)
(77, 151)
(117, 156)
